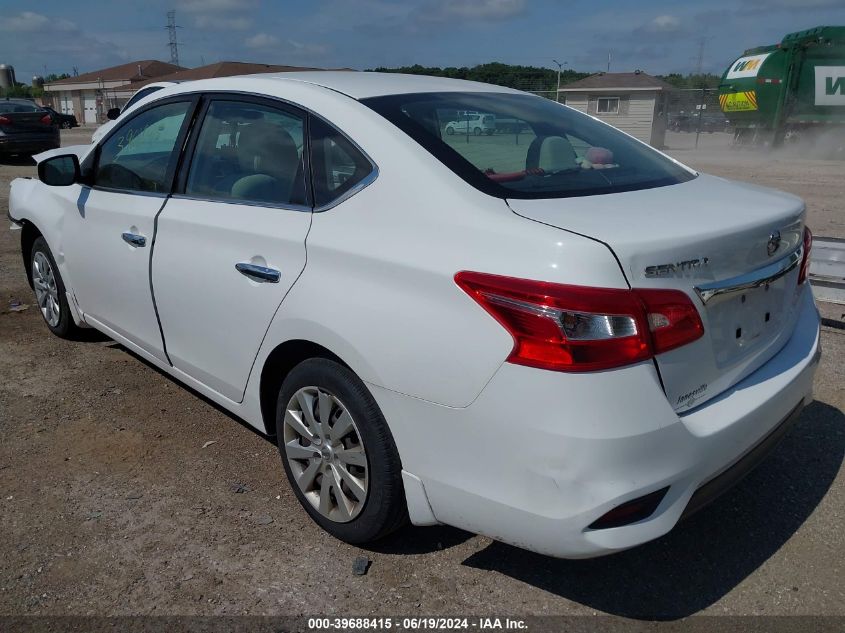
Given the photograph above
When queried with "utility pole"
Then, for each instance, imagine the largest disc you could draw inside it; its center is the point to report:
(699, 68)
(174, 45)
(559, 66)
(608, 61)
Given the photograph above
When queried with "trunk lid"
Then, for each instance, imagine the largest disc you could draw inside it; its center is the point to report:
(29, 121)
(699, 236)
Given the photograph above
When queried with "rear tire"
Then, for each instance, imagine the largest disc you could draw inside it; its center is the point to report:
(477, 131)
(50, 293)
(338, 453)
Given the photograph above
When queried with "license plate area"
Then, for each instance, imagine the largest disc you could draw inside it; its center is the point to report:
(744, 321)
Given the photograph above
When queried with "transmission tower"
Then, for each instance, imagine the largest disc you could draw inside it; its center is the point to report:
(174, 44)
(702, 43)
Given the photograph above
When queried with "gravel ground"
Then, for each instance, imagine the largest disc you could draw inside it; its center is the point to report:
(113, 504)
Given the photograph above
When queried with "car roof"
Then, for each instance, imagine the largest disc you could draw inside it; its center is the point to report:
(362, 85)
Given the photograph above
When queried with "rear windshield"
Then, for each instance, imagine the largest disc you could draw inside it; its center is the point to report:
(524, 146)
(10, 107)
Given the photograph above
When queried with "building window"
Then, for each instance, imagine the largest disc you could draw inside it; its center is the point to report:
(608, 105)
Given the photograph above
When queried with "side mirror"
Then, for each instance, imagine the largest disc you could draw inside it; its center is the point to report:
(59, 171)
(113, 113)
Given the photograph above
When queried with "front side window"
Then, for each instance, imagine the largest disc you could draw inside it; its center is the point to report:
(141, 154)
(531, 148)
(337, 164)
(249, 152)
(607, 105)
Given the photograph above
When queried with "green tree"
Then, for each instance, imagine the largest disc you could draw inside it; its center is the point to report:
(511, 76)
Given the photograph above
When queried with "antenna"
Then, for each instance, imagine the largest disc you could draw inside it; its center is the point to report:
(171, 29)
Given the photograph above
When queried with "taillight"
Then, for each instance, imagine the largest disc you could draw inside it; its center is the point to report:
(4, 120)
(805, 261)
(672, 318)
(47, 119)
(578, 328)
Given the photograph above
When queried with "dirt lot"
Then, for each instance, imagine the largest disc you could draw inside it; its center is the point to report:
(111, 504)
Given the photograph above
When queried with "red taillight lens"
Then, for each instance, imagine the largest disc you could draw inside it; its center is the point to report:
(672, 318)
(47, 119)
(4, 120)
(805, 261)
(577, 328)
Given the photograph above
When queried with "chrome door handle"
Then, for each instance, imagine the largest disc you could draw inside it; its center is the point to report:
(134, 240)
(259, 273)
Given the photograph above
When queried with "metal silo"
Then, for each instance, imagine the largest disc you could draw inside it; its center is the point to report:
(7, 76)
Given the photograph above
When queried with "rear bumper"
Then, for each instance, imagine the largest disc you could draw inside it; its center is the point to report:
(727, 479)
(539, 456)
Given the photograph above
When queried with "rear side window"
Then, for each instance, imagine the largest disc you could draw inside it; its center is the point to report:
(143, 92)
(338, 165)
(249, 152)
(141, 153)
(8, 107)
(524, 146)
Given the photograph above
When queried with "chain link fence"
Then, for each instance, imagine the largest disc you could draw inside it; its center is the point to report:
(694, 110)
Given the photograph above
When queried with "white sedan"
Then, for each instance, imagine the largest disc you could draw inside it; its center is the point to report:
(562, 338)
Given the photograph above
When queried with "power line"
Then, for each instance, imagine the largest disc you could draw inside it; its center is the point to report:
(174, 44)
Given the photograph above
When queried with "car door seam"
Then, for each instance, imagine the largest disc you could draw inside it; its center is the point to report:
(276, 311)
(150, 276)
(618, 263)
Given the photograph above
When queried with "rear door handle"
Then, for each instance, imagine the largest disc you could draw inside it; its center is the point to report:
(259, 273)
(134, 239)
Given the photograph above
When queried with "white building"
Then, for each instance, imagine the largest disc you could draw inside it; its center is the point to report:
(635, 102)
(89, 96)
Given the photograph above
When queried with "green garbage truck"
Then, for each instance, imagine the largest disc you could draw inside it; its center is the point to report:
(789, 92)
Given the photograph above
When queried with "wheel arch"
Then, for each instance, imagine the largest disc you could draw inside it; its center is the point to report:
(29, 233)
(278, 365)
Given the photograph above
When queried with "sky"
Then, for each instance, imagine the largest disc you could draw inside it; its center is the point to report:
(656, 36)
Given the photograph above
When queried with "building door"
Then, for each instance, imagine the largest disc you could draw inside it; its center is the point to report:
(66, 104)
(89, 104)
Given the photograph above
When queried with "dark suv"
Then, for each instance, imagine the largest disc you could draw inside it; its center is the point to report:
(26, 128)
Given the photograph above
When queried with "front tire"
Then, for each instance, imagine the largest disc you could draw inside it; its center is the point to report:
(450, 131)
(49, 288)
(338, 453)
(477, 131)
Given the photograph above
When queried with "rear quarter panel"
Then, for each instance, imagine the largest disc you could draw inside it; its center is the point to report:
(378, 288)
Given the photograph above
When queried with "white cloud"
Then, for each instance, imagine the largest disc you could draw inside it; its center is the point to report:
(222, 23)
(219, 15)
(37, 39)
(482, 10)
(290, 49)
(30, 22)
(262, 41)
(665, 23)
(311, 49)
(215, 6)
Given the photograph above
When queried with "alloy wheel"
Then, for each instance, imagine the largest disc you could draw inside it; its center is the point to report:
(46, 291)
(326, 454)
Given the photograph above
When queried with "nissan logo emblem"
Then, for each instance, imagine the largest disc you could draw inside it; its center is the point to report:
(773, 243)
